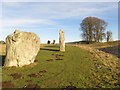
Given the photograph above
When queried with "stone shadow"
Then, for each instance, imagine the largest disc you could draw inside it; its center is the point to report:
(49, 49)
(2, 60)
(114, 50)
(56, 46)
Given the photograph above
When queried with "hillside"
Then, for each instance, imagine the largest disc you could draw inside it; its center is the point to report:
(107, 47)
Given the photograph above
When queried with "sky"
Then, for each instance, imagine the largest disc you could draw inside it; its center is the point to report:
(47, 18)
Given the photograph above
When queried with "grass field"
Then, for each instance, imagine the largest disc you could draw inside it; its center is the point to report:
(76, 67)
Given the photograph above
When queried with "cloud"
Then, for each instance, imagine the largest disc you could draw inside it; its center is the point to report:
(55, 10)
(73, 10)
(17, 22)
(9, 4)
(60, 0)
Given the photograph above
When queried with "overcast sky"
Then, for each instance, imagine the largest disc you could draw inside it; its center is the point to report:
(47, 18)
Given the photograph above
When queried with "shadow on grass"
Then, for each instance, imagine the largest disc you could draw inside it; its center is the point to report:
(2, 60)
(56, 46)
(49, 49)
(114, 50)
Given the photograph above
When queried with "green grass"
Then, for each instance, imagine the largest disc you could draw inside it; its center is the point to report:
(77, 68)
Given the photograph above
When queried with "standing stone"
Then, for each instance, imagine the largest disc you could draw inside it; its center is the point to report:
(62, 41)
(48, 42)
(21, 48)
(53, 41)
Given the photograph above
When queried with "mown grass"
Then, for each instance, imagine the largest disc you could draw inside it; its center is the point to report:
(54, 69)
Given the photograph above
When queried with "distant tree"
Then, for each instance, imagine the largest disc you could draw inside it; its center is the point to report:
(86, 27)
(103, 37)
(93, 29)
(2, 42)
(109, 36)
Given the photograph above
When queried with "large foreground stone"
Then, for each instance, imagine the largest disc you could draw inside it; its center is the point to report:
(21, 48)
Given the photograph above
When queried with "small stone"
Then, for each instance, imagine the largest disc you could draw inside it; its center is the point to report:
(48, 42)
(53, 42)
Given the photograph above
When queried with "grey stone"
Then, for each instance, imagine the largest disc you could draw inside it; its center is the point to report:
(21, 48)
(62, 41)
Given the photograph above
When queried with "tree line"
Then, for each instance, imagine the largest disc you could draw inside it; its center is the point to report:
(93, 30)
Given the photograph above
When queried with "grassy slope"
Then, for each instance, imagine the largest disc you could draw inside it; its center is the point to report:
(105, 44)
(78, 68)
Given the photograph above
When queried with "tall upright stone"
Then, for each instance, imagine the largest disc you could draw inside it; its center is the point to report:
(21, 48)
(62, 41)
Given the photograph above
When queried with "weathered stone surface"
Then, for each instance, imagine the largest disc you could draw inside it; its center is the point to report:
(62, 41)
(21, 48)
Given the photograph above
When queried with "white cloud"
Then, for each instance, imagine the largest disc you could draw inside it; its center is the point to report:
(17, 22)
(11, 4)
(60, 0)
(69, 10)
(55, 10)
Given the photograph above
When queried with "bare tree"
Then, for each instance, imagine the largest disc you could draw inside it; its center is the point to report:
(93, 29)
(109, 36)
(86, 27)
